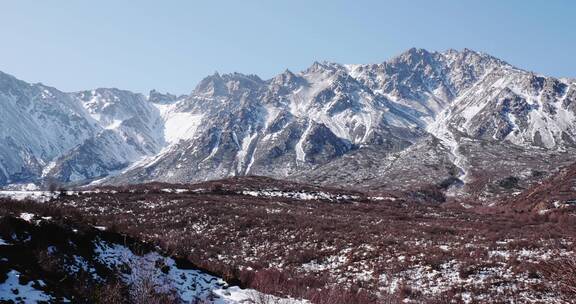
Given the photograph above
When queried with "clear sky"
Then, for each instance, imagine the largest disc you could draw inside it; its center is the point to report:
(171, 45)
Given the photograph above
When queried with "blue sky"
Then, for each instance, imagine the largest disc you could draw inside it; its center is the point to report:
(171, 45)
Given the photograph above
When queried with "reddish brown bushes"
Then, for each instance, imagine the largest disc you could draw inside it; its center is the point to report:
(264, 242)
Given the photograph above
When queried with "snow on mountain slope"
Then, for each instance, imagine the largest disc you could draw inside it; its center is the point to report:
(236, 124)
(37, 123)
(517, 106)
(290, 123)
(48, 135)
(462, 97)
(130, 128)
(178, 124)
(351, 111)
(425, 81)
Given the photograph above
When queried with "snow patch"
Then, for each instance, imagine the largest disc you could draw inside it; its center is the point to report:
(27, 216)
(299, 195)
(12, 291)
(300, 154)
(190, 285)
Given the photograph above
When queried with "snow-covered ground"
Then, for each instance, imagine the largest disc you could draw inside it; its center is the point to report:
(145, 270)
(189, 284)
(299, 195)
(44, 196)
(41, 196)
(12, 291)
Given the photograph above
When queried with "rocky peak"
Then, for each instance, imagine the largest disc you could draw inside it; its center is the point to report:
(323, 68)
(271, 127)
(212, 85)
(286, 83)
(413, 57)
(223, 85)
(9, 82)
(163, 98)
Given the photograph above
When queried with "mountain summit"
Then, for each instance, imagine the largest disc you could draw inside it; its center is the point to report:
(419, 119)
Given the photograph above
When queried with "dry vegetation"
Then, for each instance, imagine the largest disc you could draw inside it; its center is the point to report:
(58, 252)
(355, 249)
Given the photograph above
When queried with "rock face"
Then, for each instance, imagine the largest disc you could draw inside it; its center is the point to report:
(401, 123)
(278, 127)
(37, 125)
(130, 128)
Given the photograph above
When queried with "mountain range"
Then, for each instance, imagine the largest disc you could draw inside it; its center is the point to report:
(462, 122)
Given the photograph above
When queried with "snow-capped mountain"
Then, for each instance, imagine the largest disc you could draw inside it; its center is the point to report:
(37, 125)
(129, 127)
(279, 127)
(424, 81)
(363, 123)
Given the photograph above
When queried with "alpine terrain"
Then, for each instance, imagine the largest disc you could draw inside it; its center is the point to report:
(433, 177)
(460, 121)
